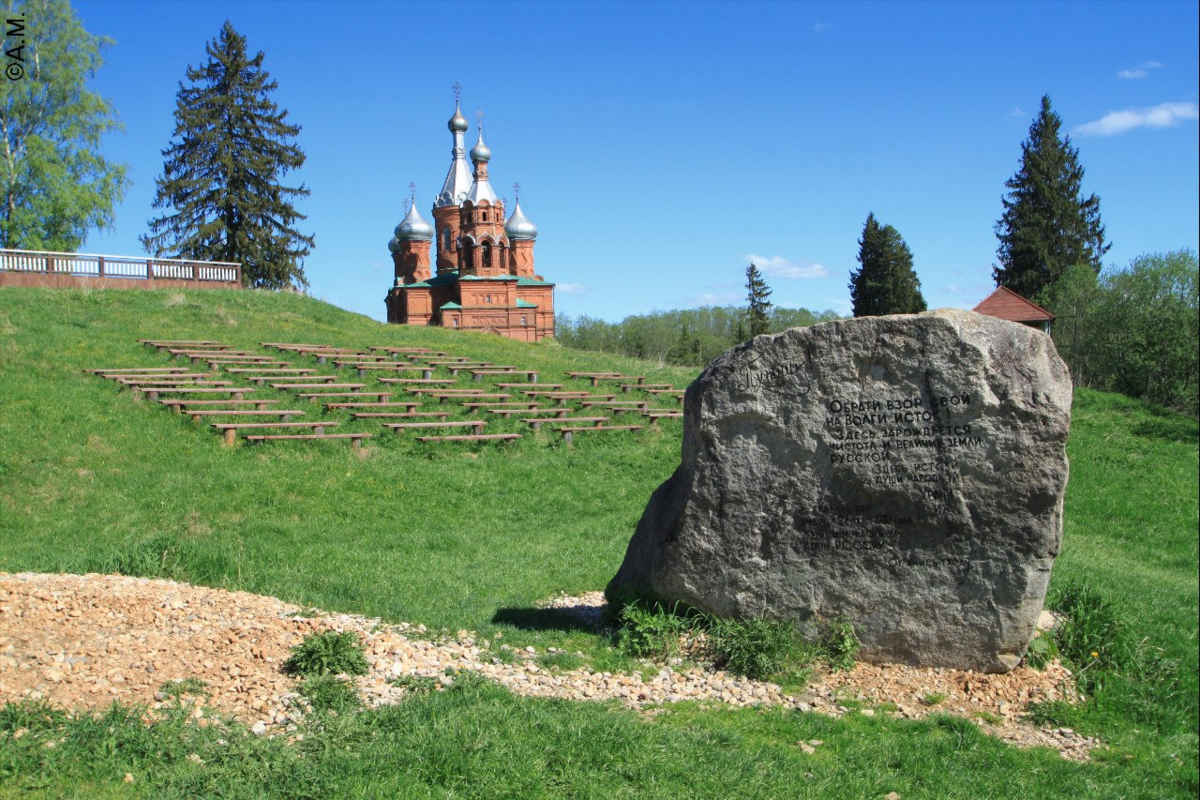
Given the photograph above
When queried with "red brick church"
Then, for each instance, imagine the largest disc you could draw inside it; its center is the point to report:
(485, 277)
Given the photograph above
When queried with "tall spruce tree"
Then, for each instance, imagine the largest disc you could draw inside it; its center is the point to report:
(1047, 226)
(757, 293)
(221, 178)
(885, 282)
(54, 184)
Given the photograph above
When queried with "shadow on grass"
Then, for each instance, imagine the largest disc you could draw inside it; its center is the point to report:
(545, 619)
(1171, 427)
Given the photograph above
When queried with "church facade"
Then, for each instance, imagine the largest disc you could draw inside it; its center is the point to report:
(482, 277)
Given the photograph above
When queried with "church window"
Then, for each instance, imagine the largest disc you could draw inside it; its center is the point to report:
(486, 247)
(487, 299)
(522, 319)
(446, 239)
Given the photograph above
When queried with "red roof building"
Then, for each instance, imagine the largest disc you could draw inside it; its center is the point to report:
(1004, 303)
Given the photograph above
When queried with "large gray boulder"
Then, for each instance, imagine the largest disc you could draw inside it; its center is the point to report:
(906, 472)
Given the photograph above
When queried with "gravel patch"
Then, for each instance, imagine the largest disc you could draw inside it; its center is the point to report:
(83, 641)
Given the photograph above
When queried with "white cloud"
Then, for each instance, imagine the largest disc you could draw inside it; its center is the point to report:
(780, 267)
(1017, 113)
(715, 298)
(1164, 115)
(572, 288)
(1142, 70)
(821, 27)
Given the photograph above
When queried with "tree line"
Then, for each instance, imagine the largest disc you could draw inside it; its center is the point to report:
(687, 337)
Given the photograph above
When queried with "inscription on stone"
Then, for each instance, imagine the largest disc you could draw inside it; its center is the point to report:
(906, 472)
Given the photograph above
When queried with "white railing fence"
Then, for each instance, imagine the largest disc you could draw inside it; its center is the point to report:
(90, 265)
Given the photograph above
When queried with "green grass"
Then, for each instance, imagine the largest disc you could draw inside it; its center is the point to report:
(473, 538)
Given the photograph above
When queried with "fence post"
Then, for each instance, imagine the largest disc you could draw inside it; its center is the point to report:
(100, 265)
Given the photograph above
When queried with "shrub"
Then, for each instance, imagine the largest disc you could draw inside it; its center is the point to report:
(652, 631)
(837, 643)
(758, 648)
(328, 653)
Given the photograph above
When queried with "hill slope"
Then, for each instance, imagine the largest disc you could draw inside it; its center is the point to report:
(473, 537)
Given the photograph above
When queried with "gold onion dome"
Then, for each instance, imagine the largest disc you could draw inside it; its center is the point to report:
(518, 226)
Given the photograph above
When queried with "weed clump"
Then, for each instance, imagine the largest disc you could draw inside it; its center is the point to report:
(328, 653)
(758, 648)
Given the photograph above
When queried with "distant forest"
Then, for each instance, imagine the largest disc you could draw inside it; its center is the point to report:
(690, 337)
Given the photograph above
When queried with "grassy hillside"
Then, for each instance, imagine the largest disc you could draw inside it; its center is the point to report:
(472, 537)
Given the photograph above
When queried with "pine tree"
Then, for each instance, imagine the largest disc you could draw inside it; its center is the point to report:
(885, 282)
(54, 184)
(757, 293)
(1047, 227)
(221, 178)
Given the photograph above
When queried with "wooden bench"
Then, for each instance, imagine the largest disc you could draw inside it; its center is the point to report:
(217, 363)
(668, 392)
(628, 387)
(261, 380)
(429, 390)
(400, 414)
(383, 404)
(559, 397)
(530, 375)
(169, 377)
(214, 350)
(479, 437)
(229, 429)
(616, 404)
(467, 366)
(593, 374)
(655, 416)
(595, 379)
(478, 425)
(547, 386)
(351, 386)
(537, 423)
(365, 358)
(383, 396)
(178, 405)
(423, 351)
(277, 371)
(167, 384)
(417, 381)
(498, 405)
(567, 433)
(108, 372)
(355, 438)
(162, 344)
(198, 414)
(152, 392)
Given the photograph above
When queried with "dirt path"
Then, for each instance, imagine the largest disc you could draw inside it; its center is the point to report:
(85, 640)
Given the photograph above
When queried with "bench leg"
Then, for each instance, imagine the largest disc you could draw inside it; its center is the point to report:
(567, 437)
(237, 394)
(230, 436)
(427, 374)
(285, 417)
(319, 430)
(356, 442)
(535, 424)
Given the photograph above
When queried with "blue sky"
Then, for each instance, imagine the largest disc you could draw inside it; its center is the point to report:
(661, 145)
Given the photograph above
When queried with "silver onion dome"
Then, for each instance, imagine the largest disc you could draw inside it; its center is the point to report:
(481, 152)
(519, 227)
(394, 245)
(413, 228)
(458, 123)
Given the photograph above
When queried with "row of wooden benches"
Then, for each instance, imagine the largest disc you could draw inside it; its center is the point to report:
(134, 378)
